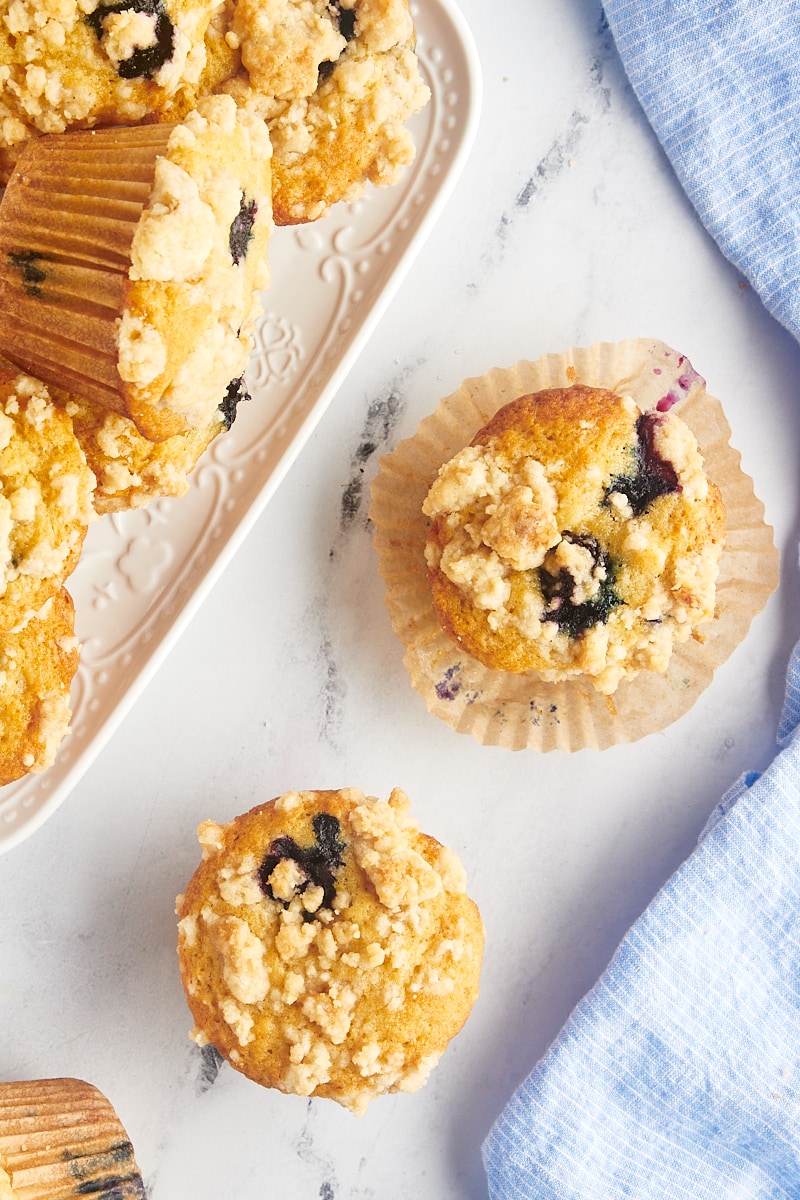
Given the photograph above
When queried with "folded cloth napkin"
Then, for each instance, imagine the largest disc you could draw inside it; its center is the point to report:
(678, 1076)
(719, 81)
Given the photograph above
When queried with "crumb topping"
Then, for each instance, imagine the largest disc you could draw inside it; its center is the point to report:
(130, 470)
(54, 719)
(210, 835)
(175, 234)
(400, 875)
(142, 350)
(283, 46)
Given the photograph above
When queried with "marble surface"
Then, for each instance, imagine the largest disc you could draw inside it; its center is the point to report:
(567, 227)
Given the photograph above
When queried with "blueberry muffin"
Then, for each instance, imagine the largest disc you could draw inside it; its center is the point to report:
(61, 1138)
(82, 63)
(327, 947)
(130, 470)
(45, 497)
(336, 84)
(37, 666)
(576, 537)
(131, 260)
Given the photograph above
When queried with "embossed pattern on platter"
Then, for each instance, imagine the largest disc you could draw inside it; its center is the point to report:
(142, 570)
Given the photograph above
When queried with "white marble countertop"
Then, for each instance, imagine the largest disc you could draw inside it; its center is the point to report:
(567, 227)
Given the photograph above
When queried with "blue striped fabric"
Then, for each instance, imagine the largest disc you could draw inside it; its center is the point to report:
(719, 81)
(678, 1076)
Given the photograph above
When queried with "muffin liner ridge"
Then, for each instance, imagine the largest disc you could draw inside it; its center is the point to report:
(62, 1138)
(521, 711)
(66, 236)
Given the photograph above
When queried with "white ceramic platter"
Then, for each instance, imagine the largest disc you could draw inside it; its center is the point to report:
(143, 574)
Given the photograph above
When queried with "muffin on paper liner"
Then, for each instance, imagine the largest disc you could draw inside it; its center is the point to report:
(62, 1138)
(519, 711)
(131, 262)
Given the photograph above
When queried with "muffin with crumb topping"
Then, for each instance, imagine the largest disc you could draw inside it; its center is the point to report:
(575, 537)
(327, 947)
(83, 63)
(336, 82)
(131, 262)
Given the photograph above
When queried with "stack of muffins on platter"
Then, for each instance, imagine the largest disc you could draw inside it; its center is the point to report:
(148, 148)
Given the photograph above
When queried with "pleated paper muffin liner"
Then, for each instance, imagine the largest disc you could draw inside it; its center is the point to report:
(61, 1139)
(68, 222)
(131, 260)
(521, 711)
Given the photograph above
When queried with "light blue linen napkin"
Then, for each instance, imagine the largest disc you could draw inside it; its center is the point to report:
(678, 1076)
(719, 81)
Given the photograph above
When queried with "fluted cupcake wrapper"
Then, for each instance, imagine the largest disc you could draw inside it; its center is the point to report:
(522, 711)
(69, 215)
(61, 1139)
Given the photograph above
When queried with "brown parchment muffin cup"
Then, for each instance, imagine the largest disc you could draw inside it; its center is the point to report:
(62, 1138)
(131, 260)
(520, 710)
(46, 492)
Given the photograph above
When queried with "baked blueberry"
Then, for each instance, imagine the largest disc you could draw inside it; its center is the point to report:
(143, 62)
(652, 474)
(33, 275)
(345, 19)
(574, 616)
(236, 392)
(241, 231)
(318, 862)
